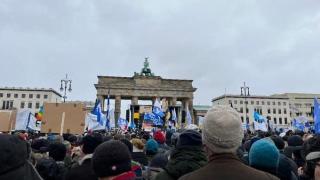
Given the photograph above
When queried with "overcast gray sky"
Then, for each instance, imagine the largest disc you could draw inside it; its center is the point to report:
(272, 45)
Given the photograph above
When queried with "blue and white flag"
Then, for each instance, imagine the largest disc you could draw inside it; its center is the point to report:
(97, 110)
(316, 116)
(174, 115)
(260, 122)
(22, 119)
(157, 121)
(157, 109)
(188, 116)
(92, 123)
(122, 123)
(108, 112)
(300, 123)
(111, 119)
(132, 125)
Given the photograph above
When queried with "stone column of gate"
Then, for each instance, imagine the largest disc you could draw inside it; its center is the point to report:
(184, 108)
(190, 103)
(101, 99)
(117, 108)
(174, 101)
(134, 100)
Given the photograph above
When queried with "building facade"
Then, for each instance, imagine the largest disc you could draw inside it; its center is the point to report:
(275, 109)
(20, 98)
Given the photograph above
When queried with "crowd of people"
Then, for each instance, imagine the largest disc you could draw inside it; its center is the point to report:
(221, 150)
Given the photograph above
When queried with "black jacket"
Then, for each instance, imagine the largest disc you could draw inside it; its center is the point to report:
(82, 172)
(51, 170)
(140, 157)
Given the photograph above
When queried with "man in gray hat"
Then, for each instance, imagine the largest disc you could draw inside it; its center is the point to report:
(222, 135)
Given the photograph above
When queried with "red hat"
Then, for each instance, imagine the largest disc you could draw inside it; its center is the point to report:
(159, 137)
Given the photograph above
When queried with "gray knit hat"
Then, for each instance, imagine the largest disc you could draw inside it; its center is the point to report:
(222, 129)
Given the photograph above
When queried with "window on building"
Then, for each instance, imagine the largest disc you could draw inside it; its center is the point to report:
(23, 95)
(3, 105)
(8, 95)
(246, 102)
(285, 121)
(268, 103)
(37, 105)
(22, 105)
(279, 103)
(11, 105)
(269, 118)
(7, 104)
(1, 94)
(241, 110)
(275, 120)
(38, 96)
(235, 102)
(279, 111)
(46, 97)
(242, 119)
(252, 102)
(308, 105)
(297, 105)
(269, 111)
(230, 102)
(273, 103)
(257, 102)
(280, 120)
(15, 95)
(274, 111)
(247, 110)
(30, 96)
(284, 103)
(262, 102)
(30, 105)
(284, 111)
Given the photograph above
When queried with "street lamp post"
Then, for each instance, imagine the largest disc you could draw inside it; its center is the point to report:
(64, 84)
(245, 91)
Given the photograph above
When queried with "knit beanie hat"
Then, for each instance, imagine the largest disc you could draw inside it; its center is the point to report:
(189, 138)
(264, 154)
(111, 158)
(151, 147)
(222, 129)
(295, 141)
(90, 143)
(14, 153)
(159, 137)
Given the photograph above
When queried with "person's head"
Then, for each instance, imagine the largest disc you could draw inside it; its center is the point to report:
(40, 145)
(222, 130)
(168, 137)
(90, 142)
(151, 147)
(264, 155)
(57, 151)
(128, 144)
(160, 160)
(279, 142)
(189, 138)
(159, 137)
(14, 153)
(310, 146)
(312, 168)
(110, 159)
(137, 144)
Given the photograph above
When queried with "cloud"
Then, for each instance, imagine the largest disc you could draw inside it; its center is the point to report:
(271, 45)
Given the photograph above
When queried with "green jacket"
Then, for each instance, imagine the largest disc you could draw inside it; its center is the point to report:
(182, 161)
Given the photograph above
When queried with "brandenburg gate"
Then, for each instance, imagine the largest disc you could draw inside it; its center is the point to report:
(145, 86)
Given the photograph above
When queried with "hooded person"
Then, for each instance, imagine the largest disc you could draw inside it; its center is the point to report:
(188, 156)
(222, 135)
(264, 156)
(294, 149)
(14, 159)
(156, 165)
(84, 171)
(112, 160)
(151, 148)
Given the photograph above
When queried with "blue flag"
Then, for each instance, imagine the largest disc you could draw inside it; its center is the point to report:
(157, 121)
(122, 123)
(259, 118)
(108, 113)
(157, 109)
(97, 110)
(316, 116)
(174, 115)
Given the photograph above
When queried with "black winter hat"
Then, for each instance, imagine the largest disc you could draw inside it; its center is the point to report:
(111, 158)
(90, 143)
(189, 138)
(40, 145)
(14, 153)
(57, 151)
(295, 141)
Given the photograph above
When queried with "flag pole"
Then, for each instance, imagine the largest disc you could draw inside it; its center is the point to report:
(62, 123)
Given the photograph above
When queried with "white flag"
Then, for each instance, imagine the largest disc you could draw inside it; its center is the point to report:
(260, 126)
(33, 123)
(112, 120)
(92, 123)
(22, 119)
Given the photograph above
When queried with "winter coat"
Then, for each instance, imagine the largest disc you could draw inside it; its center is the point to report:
(83, 171)
(140, 157)
(287, 169)
(182, 161)
(24, 172)
(227, 167)
(51, 170)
